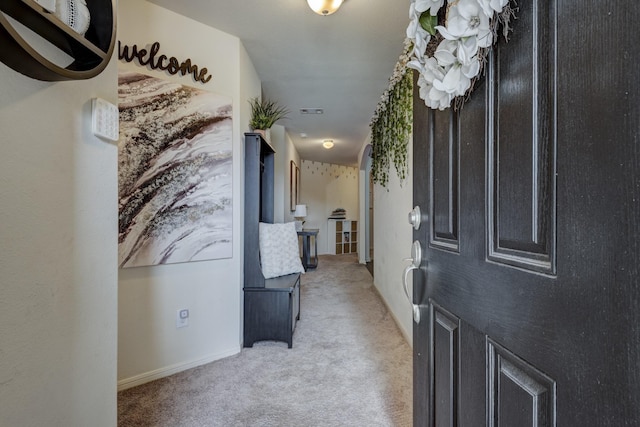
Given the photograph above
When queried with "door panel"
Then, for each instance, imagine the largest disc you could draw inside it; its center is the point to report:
(473, 388)
(444, 145)
(446, 366)
(519, 394)
(521, 202)
(530, 279)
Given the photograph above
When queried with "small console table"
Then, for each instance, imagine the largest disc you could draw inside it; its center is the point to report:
(308, 260)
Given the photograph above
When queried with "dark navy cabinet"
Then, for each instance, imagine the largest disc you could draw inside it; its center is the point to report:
(271, 312)
(271, 306)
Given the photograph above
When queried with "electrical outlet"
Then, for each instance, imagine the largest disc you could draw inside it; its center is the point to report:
(182, 318)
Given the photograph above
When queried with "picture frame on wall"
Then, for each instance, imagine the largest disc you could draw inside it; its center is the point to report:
(298, 201)
(293, 190)
(165, 216)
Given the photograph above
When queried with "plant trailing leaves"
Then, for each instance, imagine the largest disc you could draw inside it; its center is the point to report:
(391, 126)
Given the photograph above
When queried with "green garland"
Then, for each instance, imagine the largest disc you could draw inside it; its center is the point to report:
(391, 125)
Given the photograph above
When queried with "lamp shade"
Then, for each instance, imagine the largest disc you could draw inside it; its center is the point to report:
(301, 211)
(324, 7)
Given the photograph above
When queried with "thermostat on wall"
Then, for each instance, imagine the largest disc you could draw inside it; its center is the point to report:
(104, 119)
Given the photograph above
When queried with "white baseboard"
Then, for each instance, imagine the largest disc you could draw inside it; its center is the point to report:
(146, 377)
(404, 333)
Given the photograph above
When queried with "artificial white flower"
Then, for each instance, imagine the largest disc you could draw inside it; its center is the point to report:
(416, 65)
(433, 70)
(455, 82)
(433, 6)
(421, 38)
(492, 6)
(467, 50)
(465, 18)
(446, 52)
(455, 63)
(471, 69)
(416, 33)
(438, 99)
(424, 87)
(413, 10)
(435, 97)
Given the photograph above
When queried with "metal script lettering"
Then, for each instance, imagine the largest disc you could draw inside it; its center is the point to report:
(170, 65)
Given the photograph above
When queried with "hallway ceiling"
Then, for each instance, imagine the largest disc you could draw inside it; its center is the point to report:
(340, 63)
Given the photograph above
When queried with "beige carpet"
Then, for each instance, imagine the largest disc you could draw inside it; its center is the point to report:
(349, 366)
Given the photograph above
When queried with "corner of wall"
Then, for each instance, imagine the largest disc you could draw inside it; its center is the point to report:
(58, 186)
(391, 227)
(149, 344)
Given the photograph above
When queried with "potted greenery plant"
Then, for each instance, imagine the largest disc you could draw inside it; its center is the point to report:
(265, 113)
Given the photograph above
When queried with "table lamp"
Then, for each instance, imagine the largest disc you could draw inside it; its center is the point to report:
(300, 214)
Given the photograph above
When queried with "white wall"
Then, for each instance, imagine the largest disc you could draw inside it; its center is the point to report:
(285, 153)
(325, 187)
(364, 160)
(393, 236)
(58, 254)
(250, 86)
(149, 344)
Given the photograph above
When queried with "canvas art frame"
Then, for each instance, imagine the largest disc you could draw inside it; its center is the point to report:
(175, 158)
(294, 185)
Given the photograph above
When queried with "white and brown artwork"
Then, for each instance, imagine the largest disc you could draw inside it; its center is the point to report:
(174, 172)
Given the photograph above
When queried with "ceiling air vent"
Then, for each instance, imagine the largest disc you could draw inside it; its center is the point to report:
(311, 111)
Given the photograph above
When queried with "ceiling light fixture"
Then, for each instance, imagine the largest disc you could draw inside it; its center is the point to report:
(324, 7)
(327, 143)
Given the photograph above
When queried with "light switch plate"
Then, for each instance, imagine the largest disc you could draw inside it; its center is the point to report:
(182, 318)
(105, 119)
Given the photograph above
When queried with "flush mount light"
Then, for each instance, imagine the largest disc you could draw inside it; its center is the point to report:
(327, 143)
(324, 7)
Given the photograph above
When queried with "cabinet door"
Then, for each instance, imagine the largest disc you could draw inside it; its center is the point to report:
(354, 236)
(295, 302)
(339, 238)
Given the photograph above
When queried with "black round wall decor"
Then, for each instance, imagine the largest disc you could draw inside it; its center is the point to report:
(91, 53)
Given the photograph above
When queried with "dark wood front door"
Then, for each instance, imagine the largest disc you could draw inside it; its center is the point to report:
(529, 287)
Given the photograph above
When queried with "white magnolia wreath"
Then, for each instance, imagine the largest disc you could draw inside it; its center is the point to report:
(450, 57)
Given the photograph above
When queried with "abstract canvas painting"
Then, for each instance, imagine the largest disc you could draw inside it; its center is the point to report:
(174, 172)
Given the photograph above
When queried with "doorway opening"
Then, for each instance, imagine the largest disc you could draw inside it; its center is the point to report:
(367, 210)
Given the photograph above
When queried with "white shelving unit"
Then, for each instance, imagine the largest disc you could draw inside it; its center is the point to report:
(342, 236)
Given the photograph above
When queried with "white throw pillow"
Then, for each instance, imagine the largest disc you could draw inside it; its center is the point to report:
(279, 252)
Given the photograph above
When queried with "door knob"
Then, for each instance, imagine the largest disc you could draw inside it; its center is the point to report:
(415, 217)
(416, 259)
